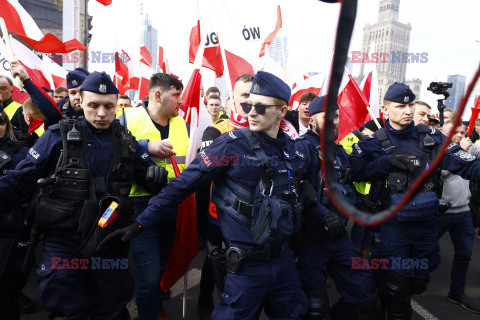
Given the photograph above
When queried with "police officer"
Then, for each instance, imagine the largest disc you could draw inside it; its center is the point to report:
(71, 106)
(12, 234)
(98, 162)
(256, 173)
(394, 157)
(325, 246)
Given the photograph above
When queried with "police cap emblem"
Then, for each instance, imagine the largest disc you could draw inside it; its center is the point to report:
(406, 99)
(256, 88)
(103, 88)
(74, 83)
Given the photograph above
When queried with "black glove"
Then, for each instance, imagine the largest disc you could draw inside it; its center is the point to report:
(125, 234)
(402, 162)
(308, 196)
(333, 225)
(157, 175)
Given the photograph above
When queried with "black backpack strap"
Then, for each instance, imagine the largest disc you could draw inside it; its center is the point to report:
(254, 144)
(384, 140)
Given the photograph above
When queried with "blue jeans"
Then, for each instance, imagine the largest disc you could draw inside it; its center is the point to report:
(150, 252)
(462, 233)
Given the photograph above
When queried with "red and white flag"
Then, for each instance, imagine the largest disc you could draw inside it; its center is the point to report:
(19, 22)
(105, 2)
(307, 84)
(146, 57)
(353, 110)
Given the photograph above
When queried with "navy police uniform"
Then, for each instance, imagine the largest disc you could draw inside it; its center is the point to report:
(12, 236)
(69, 288)
(409, 239)
(234, 162)
(319, 253)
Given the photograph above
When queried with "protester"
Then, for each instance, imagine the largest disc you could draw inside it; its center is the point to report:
(12, 108)
(422, 113)
(159, 129)
(455, 218)
(214, 106)
(299, 118)
(59, 93)
(123, 102)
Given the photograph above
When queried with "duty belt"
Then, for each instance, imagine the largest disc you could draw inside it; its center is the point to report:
(236, 257)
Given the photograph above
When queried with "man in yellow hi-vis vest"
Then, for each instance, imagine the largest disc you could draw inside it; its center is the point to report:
(151, 125)
(13, 109)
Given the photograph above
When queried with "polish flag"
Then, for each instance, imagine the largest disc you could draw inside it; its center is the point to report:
(307, 84)
(161, 59)
(19, 22)
(369, 86)
(122, 75)
(353, 110)
(43, 72)
(212, 56)
(271, 36)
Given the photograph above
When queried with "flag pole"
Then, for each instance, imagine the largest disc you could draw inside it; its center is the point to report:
(6, 38)
(373, 117)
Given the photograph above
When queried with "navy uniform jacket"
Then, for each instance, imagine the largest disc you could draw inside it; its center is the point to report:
(47, 106)
(228, 156)
(42, 159)
(342, 169)
(369, 162)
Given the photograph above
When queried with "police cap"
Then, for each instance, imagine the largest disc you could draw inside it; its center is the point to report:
(75, 78)
(316, 106)
(400, 93)
(267, 84)
(99, 82)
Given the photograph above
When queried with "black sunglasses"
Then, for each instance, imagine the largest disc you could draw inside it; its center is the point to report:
(3, 120)
(260, 108)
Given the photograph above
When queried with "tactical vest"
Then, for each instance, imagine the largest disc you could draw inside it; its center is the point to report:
(271, 211)
(424, 203)
(74, 198)
(341, 170)
(141, 126)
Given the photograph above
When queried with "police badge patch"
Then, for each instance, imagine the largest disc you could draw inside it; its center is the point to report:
(74, 83)
(103, 88)
(464, 155)
(406, 99)
(256, 88)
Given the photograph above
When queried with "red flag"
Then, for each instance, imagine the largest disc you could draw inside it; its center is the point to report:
(271, 36)
(353, 108)
(105, 2)
(307, 84)
(184, 247)
(237, 66)
(21, 23)
(191, 95)
(474, 116)
(161, 61)
(143, 88)
(146, 56)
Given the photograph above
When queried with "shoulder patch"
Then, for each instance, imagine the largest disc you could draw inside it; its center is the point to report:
(464, 155)
(357, 148)
(34, 153)
(433, 131)
(233, 135)
(451, 145)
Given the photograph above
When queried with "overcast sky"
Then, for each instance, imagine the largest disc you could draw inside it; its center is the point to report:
(447, 30)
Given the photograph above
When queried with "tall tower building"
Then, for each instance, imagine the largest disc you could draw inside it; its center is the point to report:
(456, 92)
(275, 50)
(150, 39)
(392, 37)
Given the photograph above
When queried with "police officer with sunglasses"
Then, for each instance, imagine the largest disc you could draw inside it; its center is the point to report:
(257, 173)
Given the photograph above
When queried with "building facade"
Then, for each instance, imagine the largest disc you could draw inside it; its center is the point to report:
(391, 38)
(456, 91)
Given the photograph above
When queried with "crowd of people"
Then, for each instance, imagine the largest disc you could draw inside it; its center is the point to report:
(92, 177)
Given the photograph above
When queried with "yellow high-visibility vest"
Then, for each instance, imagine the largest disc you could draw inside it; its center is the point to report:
(347, 143)
(11, 109)
(142, 127)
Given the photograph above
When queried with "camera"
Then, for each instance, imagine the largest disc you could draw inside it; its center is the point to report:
(440, 88)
